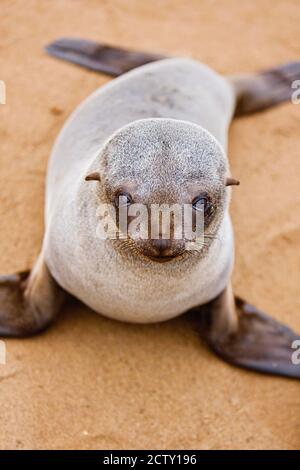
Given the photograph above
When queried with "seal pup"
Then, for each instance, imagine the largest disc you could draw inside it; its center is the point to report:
(156, 135)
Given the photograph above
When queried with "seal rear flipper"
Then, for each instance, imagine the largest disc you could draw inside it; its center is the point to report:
(257, 342)
(257, 92)
(99, 57)
(29, 301)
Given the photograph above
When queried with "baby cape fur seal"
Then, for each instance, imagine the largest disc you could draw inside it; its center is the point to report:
(155, 136)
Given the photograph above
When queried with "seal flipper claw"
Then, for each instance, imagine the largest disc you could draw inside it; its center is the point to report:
(258, 343)
(29, 301)
(99, 57)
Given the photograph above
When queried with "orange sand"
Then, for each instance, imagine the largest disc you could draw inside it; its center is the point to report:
(90, 382)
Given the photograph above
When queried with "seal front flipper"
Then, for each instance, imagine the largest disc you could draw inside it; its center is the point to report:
(243, 336)
(29, 301)
(259, 91)
(99, 57)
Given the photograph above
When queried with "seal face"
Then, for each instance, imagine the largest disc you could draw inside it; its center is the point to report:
(156, 162)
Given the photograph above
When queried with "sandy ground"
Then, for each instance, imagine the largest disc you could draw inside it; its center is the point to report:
(94, 383)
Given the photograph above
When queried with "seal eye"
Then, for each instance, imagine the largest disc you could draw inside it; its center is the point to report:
(123, 200)
(203, 203)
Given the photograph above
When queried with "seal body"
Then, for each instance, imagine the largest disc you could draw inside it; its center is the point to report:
(153, 97)
(156, 136)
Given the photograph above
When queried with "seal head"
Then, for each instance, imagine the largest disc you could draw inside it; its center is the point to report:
(164, 164)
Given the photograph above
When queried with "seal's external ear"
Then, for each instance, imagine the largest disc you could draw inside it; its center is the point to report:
(231, 182)
(95, 176)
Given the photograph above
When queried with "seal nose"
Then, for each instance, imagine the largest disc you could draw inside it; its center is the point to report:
(166, 248)
(161, 247)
